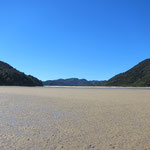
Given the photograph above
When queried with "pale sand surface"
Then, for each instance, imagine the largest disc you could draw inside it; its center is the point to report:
(74, 119)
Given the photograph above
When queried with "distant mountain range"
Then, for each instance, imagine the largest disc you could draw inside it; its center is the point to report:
(73, 82)
(11, 76)
(139, 75)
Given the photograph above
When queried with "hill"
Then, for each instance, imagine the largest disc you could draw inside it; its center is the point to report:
(11, 76)
(139, 75)
(73, 82)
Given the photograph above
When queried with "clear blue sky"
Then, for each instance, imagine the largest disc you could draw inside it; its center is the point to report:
(92, 39)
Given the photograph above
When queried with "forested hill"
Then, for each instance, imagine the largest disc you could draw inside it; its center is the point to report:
(73, 82)
(139, 75)
(11, 76)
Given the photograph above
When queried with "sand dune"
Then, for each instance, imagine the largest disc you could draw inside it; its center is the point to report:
(74, 119)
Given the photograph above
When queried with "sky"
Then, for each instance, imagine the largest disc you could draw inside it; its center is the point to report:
(92, 39)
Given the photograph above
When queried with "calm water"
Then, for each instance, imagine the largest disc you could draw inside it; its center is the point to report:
(97, 87)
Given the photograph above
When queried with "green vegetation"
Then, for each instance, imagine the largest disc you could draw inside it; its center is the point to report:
(136, 76)
(11, 76)
(139, 75)
(73, 82)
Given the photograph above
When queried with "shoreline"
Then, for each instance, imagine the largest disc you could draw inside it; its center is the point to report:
(97, 87)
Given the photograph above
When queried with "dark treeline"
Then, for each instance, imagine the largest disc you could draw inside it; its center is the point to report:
(139, 75)
(11, 76)
(73, 82)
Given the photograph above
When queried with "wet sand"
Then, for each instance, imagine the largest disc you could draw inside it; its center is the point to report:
(74, 119)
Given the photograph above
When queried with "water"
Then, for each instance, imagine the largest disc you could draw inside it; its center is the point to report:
(98, 87)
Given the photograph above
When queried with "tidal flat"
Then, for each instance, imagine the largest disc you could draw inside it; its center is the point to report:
(38, 118)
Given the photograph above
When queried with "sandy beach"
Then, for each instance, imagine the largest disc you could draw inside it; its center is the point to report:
(74, 118)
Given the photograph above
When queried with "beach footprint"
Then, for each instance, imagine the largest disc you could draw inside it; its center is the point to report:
(113, 146)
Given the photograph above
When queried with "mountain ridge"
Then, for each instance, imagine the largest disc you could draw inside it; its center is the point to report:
(139, 75)
(12, 77)
(73, 82)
